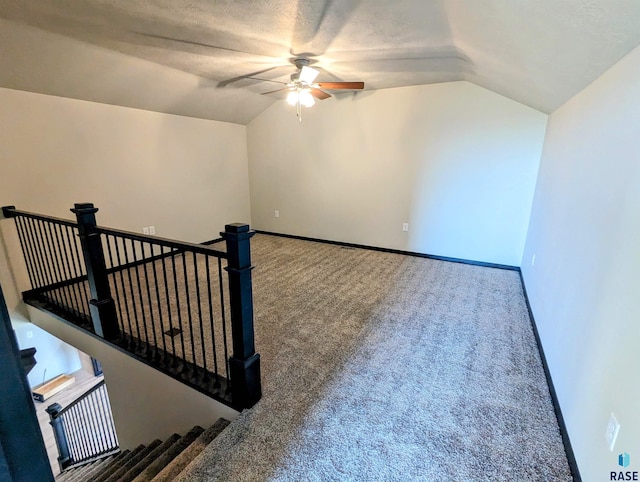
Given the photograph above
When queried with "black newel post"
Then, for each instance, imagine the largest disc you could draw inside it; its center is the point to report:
(64, 457)
(244, 363)
(102, 306)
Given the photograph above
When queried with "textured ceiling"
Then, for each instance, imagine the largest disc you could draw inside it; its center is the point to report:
(192, 57)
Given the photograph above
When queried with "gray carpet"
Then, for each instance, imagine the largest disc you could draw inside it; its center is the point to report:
(385, 367)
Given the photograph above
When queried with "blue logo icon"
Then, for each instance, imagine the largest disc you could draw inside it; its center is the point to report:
(623, 459)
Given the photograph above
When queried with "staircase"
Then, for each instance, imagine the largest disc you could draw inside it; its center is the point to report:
(157, 461)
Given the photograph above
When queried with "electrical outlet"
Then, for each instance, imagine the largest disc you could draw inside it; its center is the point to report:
(29, 334)
(152, 230)
(276, 214)
(145, 230)
(533, 260)
(405, 227)
(613, 428)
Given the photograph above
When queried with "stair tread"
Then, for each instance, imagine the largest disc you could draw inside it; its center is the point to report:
(114, 462)
(78, 473)
(114, 467)
(133, 461)
(97, 467)
(137, 469)
(168, 455)
(69, 474)
(82, 473)
(180, 462)
(64, 476)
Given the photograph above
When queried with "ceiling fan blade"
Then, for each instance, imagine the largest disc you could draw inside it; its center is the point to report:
(267, 80)
(274, 91)
(176, 40)
(308, 74)
(252, 75)
(319, 94)
(264, 49)
(341, 85)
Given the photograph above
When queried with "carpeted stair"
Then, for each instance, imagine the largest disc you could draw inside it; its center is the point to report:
(158, 461)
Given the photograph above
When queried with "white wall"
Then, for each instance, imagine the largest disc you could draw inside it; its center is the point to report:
(584, 287)
(455, 161)
(54, 357)
(146, 404)
(187, 177)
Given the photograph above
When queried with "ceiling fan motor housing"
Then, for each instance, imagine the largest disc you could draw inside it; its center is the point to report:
(301, 62)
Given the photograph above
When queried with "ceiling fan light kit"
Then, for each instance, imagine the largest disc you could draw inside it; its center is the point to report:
(302, 88)
(300, 96)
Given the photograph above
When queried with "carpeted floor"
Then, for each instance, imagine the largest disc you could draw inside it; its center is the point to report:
(385, 367)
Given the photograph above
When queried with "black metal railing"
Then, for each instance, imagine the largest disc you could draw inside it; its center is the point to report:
(54, 262)
(84, 429)
(166, 302)
(170, 301)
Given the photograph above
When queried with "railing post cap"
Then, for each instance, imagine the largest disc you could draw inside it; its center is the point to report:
(236, 228)
(6, 211)
(84, 208)
(53, 409)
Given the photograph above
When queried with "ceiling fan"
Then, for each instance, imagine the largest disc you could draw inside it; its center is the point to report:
(302, 88)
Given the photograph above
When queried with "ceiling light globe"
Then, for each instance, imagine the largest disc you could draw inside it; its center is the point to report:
(292, 97)
(306, 99)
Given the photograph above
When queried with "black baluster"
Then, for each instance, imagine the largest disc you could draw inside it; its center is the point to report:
(78, 433)
(178, 310)
(199, 308)
(107, 416)
(136, 267)
(155, 278)
(96, 422)
(27, 255)
(36, 252)
(148, 286)
(56, 257)
(31, 250)
(71, 431)
(72, 270)
(84, 434)
(67, 267)
(223, 317)
(116, 288)
(131, 290)
(190, 317)
(46, 262)
(168, 298)
(62, 252)
(124, 299)
(88, 423)
(211, 319)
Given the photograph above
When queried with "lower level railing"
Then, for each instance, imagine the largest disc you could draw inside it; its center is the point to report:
(84, 429)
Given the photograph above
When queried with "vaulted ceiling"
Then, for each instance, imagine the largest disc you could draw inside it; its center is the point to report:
(214, 59)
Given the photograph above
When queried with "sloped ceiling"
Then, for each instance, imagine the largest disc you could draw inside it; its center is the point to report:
(193, 57)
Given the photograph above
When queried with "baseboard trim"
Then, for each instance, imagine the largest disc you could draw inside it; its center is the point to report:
(571, 458)
(393, 251)
(212, 241)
